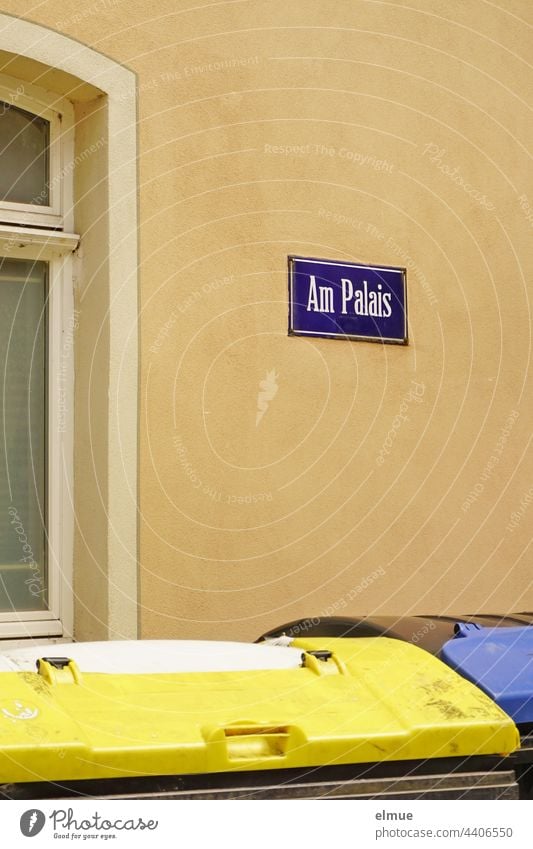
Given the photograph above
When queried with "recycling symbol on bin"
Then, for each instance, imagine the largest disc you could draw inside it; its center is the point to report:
(18, 710)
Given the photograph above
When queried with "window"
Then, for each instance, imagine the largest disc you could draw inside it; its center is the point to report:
(26, 142)
(33, 145)
(97, 155)
(37, 323)
(23, 556)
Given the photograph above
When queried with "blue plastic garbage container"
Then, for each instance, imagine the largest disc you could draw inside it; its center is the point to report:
(500, 662)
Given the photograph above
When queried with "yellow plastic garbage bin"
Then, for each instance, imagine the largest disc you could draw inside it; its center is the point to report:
(342, 717)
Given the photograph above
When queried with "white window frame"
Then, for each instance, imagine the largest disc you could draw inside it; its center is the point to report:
(18, 240)
(105, 91)
(23, 95)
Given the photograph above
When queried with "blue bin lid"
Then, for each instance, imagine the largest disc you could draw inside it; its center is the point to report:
(499, 661)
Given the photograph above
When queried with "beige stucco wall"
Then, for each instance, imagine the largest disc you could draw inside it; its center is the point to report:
(245, 526)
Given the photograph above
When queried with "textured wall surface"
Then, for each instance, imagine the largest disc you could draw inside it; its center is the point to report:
(379, 478)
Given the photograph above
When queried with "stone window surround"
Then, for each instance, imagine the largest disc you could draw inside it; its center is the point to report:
(103, 94)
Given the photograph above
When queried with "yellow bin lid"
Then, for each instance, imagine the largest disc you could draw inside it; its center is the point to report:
(337, 701)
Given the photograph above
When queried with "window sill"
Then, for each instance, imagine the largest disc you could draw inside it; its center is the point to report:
(24, 243)
(17, 630)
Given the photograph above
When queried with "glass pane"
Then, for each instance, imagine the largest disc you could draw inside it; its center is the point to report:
(23, 567)
(24, 155)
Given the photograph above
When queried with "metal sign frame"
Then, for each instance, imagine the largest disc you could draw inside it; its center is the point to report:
(293, 260)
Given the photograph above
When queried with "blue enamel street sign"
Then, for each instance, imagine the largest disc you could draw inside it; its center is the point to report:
(345, 300)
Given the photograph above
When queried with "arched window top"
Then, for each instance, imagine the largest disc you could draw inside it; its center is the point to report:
(36, 147)
(25, 156)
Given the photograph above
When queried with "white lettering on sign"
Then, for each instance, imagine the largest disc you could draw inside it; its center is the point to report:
(372, 303)
(321, 300)
(365, 301)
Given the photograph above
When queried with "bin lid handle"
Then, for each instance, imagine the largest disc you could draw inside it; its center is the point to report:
(465, 629)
